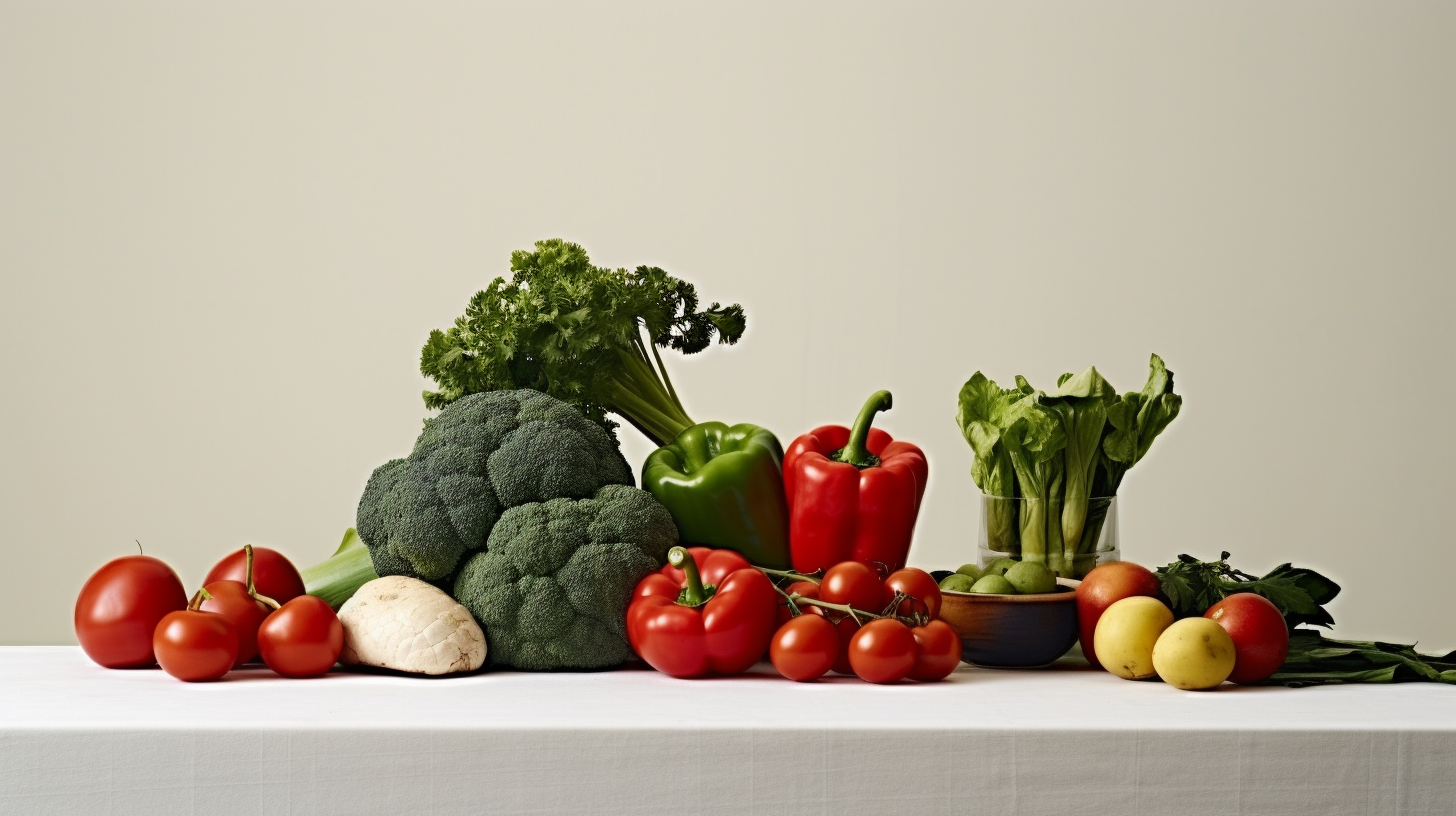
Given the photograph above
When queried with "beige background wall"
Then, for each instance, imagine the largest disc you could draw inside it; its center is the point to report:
(225, 230)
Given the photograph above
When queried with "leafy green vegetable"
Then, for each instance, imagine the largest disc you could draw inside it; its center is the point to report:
(1064, 453)
(584, 334)
(1136, 420)
(1192, 586)
(1317, 660)
(1080, 405)
(1034, 439)
(981, 415)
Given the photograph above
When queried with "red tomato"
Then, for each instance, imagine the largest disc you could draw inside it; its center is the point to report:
(937, 651)
(193, 645)
(1259, 633)
(916, 583)
(846, 627)
(119, 608)
(1105, 585)
(853, 583)
(302, 638)
(246, 613)
(808, 589)
(882, 651)
(274, 576)
(804, 648)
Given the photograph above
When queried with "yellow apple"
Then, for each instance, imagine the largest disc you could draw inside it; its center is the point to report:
(1125, 635)
(1194, 654)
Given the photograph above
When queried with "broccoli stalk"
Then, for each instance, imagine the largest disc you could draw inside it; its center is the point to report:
(584, 334)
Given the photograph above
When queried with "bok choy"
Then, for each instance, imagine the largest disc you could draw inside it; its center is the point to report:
(1063, 453)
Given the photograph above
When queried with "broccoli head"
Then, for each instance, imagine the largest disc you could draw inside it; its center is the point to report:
(552, 587)
(483, 454)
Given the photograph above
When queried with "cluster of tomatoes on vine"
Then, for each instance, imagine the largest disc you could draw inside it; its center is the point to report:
(133, 612)
(853, 621)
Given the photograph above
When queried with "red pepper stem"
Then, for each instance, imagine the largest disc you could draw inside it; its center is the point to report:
(693, 593)
(854, 452)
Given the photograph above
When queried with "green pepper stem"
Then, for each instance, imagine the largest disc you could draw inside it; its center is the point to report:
(693, 593)
(854, 452)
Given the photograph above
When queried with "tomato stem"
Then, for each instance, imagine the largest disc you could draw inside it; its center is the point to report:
(790, 574)
(196, 602)
(253, 589)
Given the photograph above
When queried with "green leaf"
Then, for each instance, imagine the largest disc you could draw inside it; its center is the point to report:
(576, 331)
(980, 413)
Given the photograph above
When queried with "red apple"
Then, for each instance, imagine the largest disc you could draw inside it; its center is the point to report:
(1104, 586)
(1260, 635)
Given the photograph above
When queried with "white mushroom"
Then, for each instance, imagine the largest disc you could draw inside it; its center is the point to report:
(408, 625)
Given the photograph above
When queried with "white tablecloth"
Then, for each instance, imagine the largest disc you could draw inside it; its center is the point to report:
(77, 738)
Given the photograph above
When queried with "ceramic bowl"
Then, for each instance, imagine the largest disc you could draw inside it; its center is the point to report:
(1013, 631)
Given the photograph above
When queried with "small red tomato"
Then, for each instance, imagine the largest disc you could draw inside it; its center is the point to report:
(1259, 633)
(916, 583)
(846, 627)
(882, 651)
(274, 575)
(193, 645)
(808, 589)
(937, 651)
(853, 583)
(302, 638)
(120, 606)
(804, 648)
(246, 613)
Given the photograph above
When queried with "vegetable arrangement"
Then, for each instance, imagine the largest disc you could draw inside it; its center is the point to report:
(513, 535)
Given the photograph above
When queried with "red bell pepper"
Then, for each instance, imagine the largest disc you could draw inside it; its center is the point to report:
(853, 493)
(684, 628)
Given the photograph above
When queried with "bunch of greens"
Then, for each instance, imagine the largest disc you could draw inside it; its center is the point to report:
(1317, 660)
(1300, 594)
(584, 334)
(1064, 453)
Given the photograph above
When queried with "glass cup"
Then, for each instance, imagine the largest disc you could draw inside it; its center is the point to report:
(1069, 537)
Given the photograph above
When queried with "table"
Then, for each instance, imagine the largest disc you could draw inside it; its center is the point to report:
(76, 738)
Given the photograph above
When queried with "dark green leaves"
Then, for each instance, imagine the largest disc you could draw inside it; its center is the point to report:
(584, 334)
(1317, 660)
(1192, 586)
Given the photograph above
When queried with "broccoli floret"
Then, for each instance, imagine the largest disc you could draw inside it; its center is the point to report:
(482, 455)
(552, 587)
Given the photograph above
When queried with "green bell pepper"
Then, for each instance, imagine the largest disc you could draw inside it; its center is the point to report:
(725, 488)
